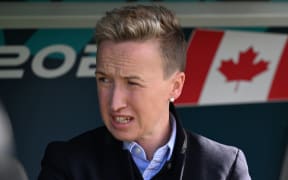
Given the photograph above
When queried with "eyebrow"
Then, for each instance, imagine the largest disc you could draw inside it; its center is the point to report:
(126, 77)
(99, 72)
(134, 77)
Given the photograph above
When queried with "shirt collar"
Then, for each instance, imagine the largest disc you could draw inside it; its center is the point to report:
(170, 144)
(172, 139)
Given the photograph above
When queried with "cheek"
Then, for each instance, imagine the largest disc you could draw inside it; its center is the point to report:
(147, 101)
(104, 106)
(159, 96)
(150, 95)
(103, 97)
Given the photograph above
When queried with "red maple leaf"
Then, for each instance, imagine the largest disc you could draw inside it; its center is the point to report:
(246, 68)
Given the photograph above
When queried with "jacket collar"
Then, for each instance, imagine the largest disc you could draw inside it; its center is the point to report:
(181, 136)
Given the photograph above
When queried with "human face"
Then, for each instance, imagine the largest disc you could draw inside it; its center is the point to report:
(132, 91)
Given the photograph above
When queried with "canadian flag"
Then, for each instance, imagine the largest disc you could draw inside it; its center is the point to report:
(228, 67)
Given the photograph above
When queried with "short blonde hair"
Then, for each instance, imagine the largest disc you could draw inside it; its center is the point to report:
(142, 22)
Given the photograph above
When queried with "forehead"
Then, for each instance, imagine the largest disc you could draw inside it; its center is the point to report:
(130, 56)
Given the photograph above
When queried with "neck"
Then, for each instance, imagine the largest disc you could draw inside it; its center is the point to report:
(152, 143)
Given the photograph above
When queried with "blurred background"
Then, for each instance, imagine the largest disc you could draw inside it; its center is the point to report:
(48, 90)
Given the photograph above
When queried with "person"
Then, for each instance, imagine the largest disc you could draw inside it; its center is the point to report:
(10, 166)
(140, 72)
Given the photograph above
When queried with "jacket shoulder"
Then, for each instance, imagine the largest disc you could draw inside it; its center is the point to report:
(93, 140)
(69, 158)
(216, 159)
(213, 148)
(98, 135)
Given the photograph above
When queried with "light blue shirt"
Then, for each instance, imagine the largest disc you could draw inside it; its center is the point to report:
(163, 154)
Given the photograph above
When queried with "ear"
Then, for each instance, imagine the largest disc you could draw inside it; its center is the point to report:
(177, 84)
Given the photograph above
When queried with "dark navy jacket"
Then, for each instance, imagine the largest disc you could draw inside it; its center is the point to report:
(97, 155)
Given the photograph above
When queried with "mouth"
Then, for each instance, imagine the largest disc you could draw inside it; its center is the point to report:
(122, 119)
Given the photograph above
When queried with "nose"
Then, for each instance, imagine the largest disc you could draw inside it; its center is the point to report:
(118, 98)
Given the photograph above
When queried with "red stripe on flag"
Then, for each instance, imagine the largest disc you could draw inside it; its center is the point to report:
(279, 88)
(200, 54)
